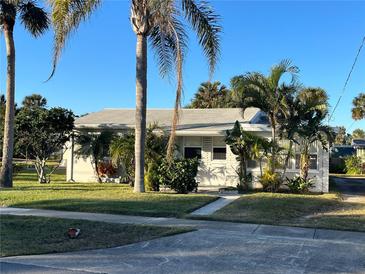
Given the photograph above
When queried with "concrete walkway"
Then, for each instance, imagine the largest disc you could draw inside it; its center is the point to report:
(210, 208)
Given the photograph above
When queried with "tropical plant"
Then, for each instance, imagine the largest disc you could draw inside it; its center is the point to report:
(268, 94)
(94, 145)
(245, 146)
(122, 153)
(354, 165)
(312, 110)
(299, 184)
(35, 20)
(152, 177)
(122, 149)
(358, 134)
(160, 21)
(358, 110)
(40, 133)
(341, 136)
(271, 181)
(179, 174)
(34, 101)
(212, 95)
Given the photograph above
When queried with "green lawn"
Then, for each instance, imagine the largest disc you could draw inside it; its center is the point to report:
(95, 197)
(319, 211)
(21, 235)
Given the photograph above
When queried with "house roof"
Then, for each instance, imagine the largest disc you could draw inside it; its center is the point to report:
(208, 121)
(358, 143)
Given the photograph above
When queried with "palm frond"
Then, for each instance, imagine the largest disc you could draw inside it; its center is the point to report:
(206, 24)
(34, 18)
(8, 10)
(277, 71)
(66, 17)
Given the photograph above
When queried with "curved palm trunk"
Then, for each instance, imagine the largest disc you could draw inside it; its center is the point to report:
(6, 173)
(141, 99)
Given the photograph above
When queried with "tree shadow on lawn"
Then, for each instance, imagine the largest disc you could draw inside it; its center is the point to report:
(150, 207)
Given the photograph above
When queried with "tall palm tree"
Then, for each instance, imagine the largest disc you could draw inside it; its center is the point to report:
(211, 95)
(160, 22)
(268, 94)
(358, 110)
(35, 20)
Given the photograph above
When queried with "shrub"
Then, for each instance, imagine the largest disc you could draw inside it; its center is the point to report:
(243, 186)
(354, 165)
(299, 184)
(179, 174)
(271, 181)
(106, 169)
(152, 178)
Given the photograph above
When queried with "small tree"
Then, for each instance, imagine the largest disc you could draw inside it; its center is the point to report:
(42, 132)
(94, 145)
(245, 146)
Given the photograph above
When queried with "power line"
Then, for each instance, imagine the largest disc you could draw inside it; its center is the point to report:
(348, 78)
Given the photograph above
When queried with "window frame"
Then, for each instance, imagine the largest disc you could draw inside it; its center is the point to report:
(217, 146)
(185, 146)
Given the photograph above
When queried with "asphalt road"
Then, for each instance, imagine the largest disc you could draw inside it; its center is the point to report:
(205, 251)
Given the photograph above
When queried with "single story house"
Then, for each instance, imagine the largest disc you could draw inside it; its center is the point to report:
(200, 134)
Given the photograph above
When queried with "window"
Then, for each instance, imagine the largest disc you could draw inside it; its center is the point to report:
(193, 152)
(219, 148)
(313, 161)
(252, 164)
(219, 153)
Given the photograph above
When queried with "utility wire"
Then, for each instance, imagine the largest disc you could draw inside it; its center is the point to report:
(347, 79)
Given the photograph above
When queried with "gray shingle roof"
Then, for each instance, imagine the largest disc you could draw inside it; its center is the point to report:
(190, 119)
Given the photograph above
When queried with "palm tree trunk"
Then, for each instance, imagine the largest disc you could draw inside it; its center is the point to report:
(272, 166)
(141, 105)
(6, 173)
(287, 158)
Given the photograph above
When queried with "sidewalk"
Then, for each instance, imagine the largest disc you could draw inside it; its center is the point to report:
(241, 228)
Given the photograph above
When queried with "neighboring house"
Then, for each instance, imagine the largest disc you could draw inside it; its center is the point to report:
(200, 134)
(359, 145)
(338, 154)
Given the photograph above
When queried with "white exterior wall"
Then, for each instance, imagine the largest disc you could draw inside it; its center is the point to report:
(83, 170)
(211, 172)
(223, 172)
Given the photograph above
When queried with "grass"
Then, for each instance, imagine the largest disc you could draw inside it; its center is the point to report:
(319, 211)
(95, 197)
(36, 235)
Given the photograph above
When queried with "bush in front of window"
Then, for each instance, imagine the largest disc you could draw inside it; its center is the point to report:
(271, 181)
(179, 174)
(299, 184)
(354, 165)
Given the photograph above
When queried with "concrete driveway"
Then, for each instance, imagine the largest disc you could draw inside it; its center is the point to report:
(352, 189)
(351, 186)
(205, 251)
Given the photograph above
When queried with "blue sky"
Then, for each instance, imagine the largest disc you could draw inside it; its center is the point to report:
(97, 68)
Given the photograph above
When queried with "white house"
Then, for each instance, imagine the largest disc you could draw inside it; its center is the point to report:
(200, 133)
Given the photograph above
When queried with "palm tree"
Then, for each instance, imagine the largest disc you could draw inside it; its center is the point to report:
(94, 145)
(160, 22)
(312, 109)
(268, 94)
(245, 146)
(35, 20)
(358, 134)
(211, 95)
(358, 110)
(34, 101)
